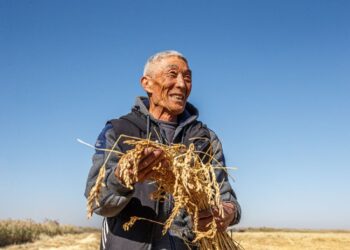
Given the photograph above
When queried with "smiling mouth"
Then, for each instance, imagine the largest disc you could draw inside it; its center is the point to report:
(178, 97)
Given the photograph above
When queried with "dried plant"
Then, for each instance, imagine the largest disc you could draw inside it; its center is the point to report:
(190, 181)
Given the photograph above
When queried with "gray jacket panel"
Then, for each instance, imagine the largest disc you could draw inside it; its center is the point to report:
(226, 191)
(114, 196)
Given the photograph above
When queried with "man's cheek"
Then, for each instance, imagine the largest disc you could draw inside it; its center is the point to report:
(188, 92)
(165, 95)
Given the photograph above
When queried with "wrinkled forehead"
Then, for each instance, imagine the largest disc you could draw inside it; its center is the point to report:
(168, 63)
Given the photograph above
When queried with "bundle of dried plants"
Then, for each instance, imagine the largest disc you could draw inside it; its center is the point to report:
(190, 181)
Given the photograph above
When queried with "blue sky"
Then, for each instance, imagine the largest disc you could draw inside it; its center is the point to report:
(270, 77)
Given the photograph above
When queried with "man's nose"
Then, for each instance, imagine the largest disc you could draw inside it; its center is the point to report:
(180, 81)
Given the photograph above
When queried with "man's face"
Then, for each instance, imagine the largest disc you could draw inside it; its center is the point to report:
(170, 83)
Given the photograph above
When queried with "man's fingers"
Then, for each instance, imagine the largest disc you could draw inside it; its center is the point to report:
(165, 163)
(204, 214)
(221, 223)
(150, 158)
(205, 217)
(147, 151)
(221, 226)
(203, 223)
(143, 175)
(146, 172)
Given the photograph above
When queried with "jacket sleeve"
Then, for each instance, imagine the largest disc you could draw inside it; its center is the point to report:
(114, 196)
(226, 191)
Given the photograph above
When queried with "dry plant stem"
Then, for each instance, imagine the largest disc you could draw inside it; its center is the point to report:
(133, 219)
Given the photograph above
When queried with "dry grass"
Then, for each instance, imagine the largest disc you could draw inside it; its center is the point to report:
(277, 240)
(294, 240)
(19, 231)
(84, 241)
(191, 181)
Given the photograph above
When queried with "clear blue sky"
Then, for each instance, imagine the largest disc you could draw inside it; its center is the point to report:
(270, 77)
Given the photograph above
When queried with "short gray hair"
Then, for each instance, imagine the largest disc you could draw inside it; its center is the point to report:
(161, 55)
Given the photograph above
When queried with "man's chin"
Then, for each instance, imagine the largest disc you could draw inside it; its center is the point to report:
(177, 110)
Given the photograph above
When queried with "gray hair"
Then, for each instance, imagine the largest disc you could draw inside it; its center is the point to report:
(161, 55)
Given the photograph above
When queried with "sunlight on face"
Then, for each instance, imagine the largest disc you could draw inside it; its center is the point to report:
(172, 83)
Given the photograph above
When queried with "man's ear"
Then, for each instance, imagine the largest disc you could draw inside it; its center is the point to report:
(147, 84)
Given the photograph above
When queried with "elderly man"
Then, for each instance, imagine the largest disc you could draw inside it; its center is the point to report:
(166, 116)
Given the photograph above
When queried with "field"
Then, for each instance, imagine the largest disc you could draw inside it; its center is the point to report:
(21, 232)
(294, 240)
(250, 240)
(82, 241)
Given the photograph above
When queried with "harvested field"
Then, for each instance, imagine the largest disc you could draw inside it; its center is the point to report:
(291, 240)
(24, 231)
(294, 240)
(83, 241)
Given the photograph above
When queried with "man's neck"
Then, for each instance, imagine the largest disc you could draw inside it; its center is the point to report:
(160, 113)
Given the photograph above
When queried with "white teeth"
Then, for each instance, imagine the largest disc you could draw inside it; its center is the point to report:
(178, 97)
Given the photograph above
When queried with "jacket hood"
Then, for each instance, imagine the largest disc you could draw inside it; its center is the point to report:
(189, 115)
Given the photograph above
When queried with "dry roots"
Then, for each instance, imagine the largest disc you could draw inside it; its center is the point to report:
(191, 183)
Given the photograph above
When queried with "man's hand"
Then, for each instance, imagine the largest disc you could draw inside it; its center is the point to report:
(150, 157)
(222, 223)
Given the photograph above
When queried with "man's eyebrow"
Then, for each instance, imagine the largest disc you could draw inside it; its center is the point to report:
(189, 71)
(171, 66)
(174, 66)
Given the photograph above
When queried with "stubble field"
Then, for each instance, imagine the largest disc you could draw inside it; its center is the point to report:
(277, 240)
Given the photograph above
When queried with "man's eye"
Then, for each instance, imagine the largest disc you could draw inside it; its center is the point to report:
(173, 74)
(188, 78)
